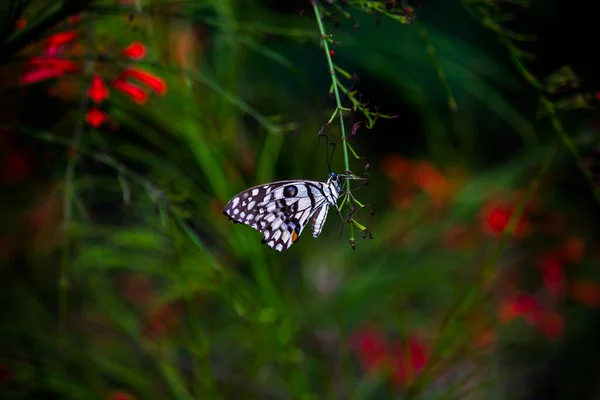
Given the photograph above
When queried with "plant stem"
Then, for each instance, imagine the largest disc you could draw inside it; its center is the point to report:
(338, 101)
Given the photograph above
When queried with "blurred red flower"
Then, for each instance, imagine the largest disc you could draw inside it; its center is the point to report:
(410, 361)
(151, 80)
(552, 271)
(133, 91)
(401, 363)
(496, 217)
(55, 42)
(550, 324)
(521, 305)
(47, 68)
(585, 292)
(573, 250)
(371, 348)
(121, 395)
(95, 117)
(97, 91)
(135, 51)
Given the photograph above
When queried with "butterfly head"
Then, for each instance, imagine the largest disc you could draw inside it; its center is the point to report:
(337, 181)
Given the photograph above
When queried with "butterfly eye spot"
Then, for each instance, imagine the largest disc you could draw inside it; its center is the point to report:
(290, 191)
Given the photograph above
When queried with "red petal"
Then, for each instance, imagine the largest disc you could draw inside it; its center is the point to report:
(61, 38)
(155, 83)
(98, 91)
(371, 348)
(56, 63)
(418, 354)
(551, 324)
(131, 90)
(95, 117)
(135, 51)
(21, 23)
(74, 19)
(41, 74)
(553, 274)
(516, 306)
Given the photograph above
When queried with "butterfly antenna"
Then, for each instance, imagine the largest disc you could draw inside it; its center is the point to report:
(327, 156)
(330, 160)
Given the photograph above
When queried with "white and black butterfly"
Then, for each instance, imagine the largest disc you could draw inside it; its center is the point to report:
(281, 210)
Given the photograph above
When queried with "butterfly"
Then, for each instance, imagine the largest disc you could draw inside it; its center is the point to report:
(281, 210)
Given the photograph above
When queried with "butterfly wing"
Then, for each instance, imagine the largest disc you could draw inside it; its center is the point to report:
(280, 210)
(318, 220)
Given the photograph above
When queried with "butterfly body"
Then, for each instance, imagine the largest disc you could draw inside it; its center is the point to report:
(280, 210)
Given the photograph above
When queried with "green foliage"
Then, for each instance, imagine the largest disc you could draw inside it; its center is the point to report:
(150, 292)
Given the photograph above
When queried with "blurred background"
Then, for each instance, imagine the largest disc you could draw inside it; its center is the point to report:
(127, 125)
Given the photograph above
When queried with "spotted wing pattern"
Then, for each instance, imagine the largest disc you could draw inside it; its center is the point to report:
(281, 210)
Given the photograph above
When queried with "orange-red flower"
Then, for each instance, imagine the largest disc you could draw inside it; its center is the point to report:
(585, 292)
(400, 363)
(573, 250)
(496, 218)
(121, 395)
(371, 348)
(47, 68)
(131, 90)
(55, 42)
(519, 305)
(552, 271)
(95, 117)
(135, 51)
(550, 324)
(21, 23)
(151, 80)
(97, 91)
(410, 361)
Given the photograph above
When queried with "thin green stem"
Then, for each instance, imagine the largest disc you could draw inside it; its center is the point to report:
(338, 101)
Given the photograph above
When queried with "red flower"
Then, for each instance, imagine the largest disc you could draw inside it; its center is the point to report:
(98, 91)
(95, 117)
(54, 42)
(135, 51)
(371, 348)
(155, 83)
(585, 292)
(21, 23)
(550, 324)
(58, 39)
(496, 220)
(131, 90)
(121, 395)
(552, 270)
(376, 356)
(408, 366)
(15, 168)
(47, 68)
(520, 305)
